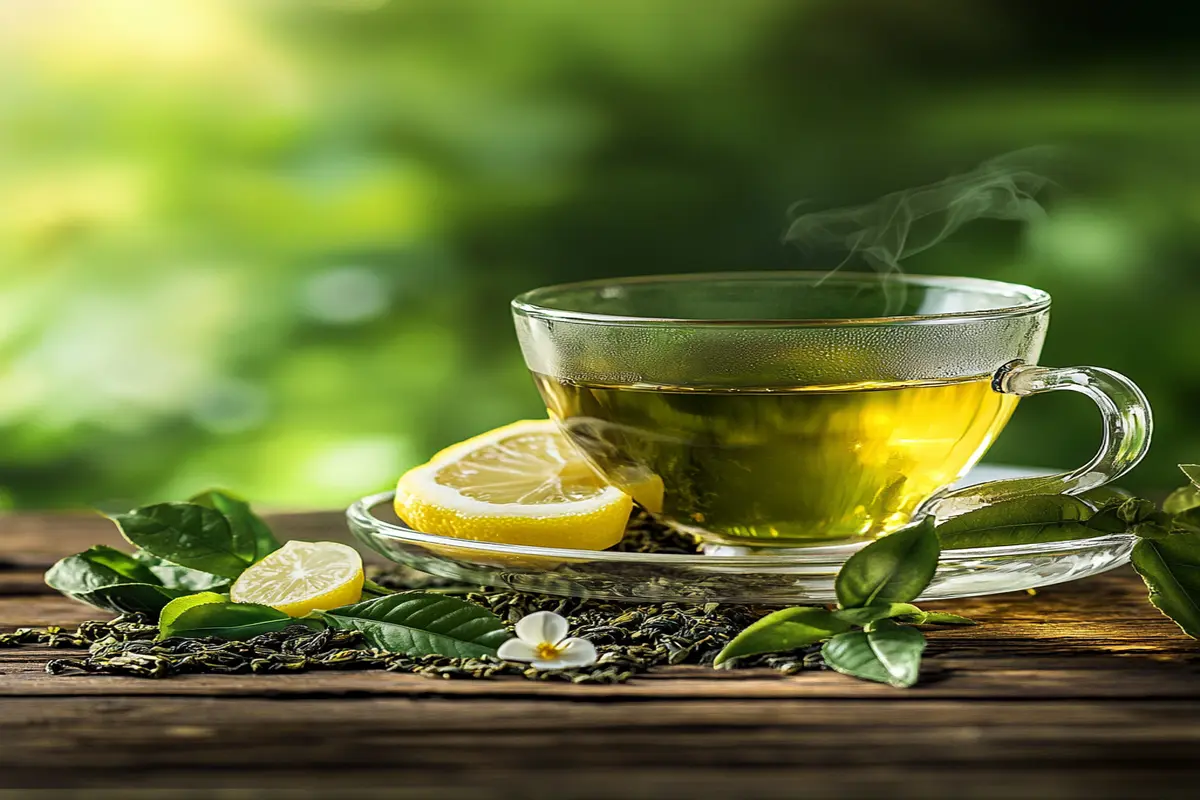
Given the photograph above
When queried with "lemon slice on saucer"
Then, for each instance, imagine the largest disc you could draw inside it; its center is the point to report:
(302, 576)
(524, 484)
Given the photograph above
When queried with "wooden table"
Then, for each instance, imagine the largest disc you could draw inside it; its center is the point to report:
(1080, 691)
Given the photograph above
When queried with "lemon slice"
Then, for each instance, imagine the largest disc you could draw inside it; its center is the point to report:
(522, 484)
(302, 576)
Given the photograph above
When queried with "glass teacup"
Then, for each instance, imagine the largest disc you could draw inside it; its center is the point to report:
(790, 407)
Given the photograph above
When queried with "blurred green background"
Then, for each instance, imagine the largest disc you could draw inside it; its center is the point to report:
(270, 245)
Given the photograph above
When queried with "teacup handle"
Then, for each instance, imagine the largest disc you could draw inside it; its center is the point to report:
(1124, 411)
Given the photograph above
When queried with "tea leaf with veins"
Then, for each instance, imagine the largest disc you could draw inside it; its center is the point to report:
(1171, 569)
(422, 623)
(186, 534)
(887, 653)
(1186, 521)
(174, 576)
(1182, 499)
(869, 614)
(127, 566)
(1136, 516)
(372, 589)
(253, 540)
(1104, 496)
(228, 620)
(173, 609)
(104, 577)
(1022, 520)
(784, 630)
(894, 569)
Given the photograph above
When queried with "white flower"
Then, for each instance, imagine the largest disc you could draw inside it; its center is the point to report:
(541, 640)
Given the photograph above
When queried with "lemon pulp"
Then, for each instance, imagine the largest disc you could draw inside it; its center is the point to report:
(524, 484)
(302, 576)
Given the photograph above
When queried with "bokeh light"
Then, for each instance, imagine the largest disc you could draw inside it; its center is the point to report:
(270, 245)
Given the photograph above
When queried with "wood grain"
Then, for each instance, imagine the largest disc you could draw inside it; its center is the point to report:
(1083, 690)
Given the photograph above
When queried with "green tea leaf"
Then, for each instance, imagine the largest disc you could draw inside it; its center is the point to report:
(99, 578)
(1193, 473)
(1105, 495)
(121, 563)
(1135, 510)
(1132, 515)
(787, 629)
(173, 609)
(174, 576)
(127, 598)
(869, 614)
(938, 618)
(373, 589)
(252, 538)
(1182, 499)
(1187, 521)
(420, 623)
(1023, 520)
(1171, 569)
(894, 569)
(186, 534)
(1154, 529)
(889, 653)
(228, 620)
(1107, 520)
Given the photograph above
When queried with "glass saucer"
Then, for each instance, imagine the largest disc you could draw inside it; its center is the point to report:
(784, 577)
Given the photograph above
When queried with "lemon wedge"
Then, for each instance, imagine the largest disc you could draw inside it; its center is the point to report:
(302, 576)
(524, 483)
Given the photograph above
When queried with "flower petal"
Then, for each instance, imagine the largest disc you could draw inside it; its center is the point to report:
(576, 652)
(541, 627)
(517, 650)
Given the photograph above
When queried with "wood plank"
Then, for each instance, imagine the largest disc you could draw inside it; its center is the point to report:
(24, 676)
(40, 610)
(22, 582)
(577, 748)
(644, 781)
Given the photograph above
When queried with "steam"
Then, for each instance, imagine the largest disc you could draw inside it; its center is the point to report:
(901, 224)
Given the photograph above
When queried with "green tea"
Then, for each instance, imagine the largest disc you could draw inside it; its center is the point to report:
(790, 464)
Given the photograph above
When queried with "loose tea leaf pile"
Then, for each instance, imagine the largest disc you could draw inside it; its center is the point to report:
(645, 534)
(630, 640)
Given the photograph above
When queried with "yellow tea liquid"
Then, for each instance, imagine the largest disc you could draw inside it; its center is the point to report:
(803, 464)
